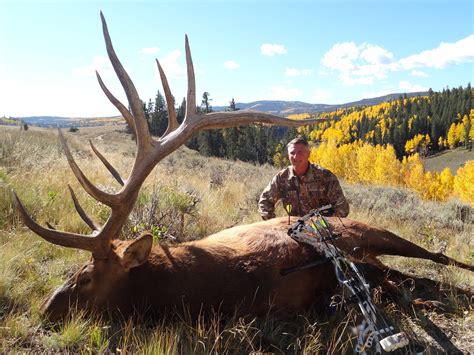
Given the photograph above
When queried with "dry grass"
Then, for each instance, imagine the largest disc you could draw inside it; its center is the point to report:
(187, 197)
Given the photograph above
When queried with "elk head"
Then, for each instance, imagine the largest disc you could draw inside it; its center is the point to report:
(103, 281)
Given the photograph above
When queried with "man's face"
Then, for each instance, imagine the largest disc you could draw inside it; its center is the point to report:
(298, 155)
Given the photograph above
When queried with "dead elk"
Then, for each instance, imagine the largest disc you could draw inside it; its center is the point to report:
(238, 266)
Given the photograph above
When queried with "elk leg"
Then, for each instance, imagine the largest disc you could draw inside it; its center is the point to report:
(388, 243)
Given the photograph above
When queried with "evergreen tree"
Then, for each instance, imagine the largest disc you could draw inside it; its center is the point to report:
(159, 115)
(181, 111)
(206, 102)
(231, 136)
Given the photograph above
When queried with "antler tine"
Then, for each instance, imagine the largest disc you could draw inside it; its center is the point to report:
(237, 118)
(191, 97)
(122, 109)
(172, 121)
(143, 134)
(109, 166)
(108, 199)
(65, 239)
(92, 225)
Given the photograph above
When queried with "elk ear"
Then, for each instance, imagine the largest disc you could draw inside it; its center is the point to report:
(136, 253)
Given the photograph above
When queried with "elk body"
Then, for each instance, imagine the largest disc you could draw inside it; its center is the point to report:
(236, 267)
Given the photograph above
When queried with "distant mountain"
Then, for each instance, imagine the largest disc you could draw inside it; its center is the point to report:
(48, 121)
(285, 108)
(58, 121)
(282, 108)
(378, 100)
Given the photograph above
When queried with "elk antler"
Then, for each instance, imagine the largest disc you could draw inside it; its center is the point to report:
(149, 153)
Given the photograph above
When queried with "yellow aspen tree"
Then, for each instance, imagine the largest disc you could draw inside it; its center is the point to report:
(332, 135)
(315, 135)
(439, 187)
(464, 182)
(383, 127)
(441, 142)
(471, 131)
(430, 187)
(365, 162)
(461, 133)
(413, 173)
(447, 183)
(452, 136)
(348, 162)
(386, 166)
(418, 143)
(411, 145)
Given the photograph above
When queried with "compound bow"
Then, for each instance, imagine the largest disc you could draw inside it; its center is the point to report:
(314, 230)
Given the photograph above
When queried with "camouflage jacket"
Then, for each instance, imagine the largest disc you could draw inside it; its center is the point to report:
(316, 188)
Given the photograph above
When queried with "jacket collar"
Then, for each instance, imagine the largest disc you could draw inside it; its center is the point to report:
(292, 175)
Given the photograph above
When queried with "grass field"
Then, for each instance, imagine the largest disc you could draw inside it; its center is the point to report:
(452, 159)
(199, 196)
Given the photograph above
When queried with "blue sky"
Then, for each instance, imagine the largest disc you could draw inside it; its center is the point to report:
(313, 51)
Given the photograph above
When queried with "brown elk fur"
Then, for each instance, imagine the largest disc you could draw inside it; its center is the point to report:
(238, 267)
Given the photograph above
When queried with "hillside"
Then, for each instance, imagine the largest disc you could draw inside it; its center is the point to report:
(452, 159)
(285, 108)
(58, 121)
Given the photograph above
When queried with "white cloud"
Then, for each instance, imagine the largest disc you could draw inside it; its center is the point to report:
(418, 73)
(170, 65)
(341, 56)
(293, 72)
(444, 55)
(365, 63)
(149, 50)
(375, 54)
(99, 63)
(231, 64)
(357, 64)
(271, 50)
(321, 96)
(408, 87)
